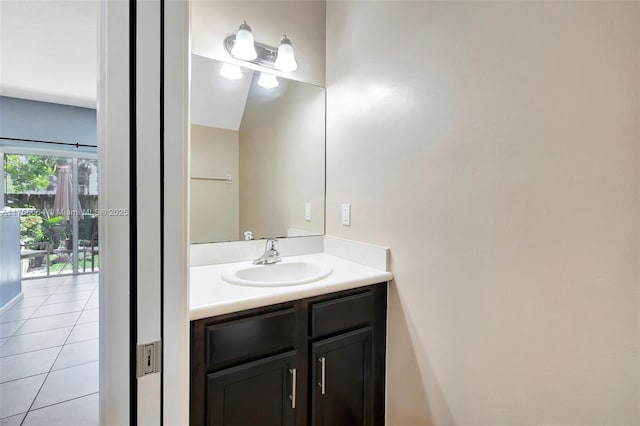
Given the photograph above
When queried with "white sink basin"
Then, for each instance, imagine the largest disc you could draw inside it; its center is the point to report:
(277, 275)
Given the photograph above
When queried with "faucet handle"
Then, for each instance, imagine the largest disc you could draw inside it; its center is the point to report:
(271, 254)
(248, 235)
(272, 245)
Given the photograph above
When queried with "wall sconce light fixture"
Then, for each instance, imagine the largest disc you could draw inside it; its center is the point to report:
(242, 46)
(285, 60)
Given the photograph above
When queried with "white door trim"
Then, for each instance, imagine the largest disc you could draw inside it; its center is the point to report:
(113, 163)
(176, 246)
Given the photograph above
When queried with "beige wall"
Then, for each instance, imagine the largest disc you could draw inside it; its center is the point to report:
(494, 147)
(214, 205)
(282, 160)
(302, 20)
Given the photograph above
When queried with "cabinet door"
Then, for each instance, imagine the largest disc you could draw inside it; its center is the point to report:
(257, 393)
(341, 380)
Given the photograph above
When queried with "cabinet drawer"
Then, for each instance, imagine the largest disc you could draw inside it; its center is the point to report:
(341, 314)
(250, 338)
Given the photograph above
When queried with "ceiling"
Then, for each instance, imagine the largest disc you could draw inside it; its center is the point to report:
(49, 53)
(49, 50)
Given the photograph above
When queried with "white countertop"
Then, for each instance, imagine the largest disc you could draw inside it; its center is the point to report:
(210, 295)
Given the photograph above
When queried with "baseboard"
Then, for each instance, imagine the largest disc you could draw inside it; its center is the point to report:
(11, 302)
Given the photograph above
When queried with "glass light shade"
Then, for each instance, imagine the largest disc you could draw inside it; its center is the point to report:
(243, 47)
(232, 72)
(268, 81)
(286, 60)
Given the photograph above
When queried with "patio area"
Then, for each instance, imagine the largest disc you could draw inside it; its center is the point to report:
(49, 354)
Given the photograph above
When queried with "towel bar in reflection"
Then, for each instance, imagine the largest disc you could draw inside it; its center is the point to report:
(226, 178)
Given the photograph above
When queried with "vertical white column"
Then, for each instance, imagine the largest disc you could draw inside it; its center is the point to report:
(176, 250)
(113, 162)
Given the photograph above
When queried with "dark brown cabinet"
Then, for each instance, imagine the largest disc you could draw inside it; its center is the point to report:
(316, 361)
(342, 377)
(260, 392)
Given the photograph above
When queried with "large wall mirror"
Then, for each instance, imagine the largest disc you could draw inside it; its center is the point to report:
(257, 155)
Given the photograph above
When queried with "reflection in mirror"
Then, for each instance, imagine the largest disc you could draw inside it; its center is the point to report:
(257, 155)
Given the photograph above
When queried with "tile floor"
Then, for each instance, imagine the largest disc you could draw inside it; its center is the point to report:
(49, 354)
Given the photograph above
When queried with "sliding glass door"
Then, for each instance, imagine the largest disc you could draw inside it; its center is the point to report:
(55, 194)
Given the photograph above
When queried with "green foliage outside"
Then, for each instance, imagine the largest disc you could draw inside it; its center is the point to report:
(54, 221)
(32, 229)
(35, 229)
(28, 172)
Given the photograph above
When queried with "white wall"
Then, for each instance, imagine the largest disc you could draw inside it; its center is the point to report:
(494, 147)
(213, 212)
(302, 20)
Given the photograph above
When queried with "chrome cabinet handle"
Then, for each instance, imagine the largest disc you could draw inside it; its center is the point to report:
(322, 368)
(292, 397)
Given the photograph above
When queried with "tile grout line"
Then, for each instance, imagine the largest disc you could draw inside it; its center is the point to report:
(49, 304)
(62, 402)
(52, 315)
(55, 328)
(44, 316)
(28, 352)
(51, 347)
(50, 405)
(59, 369)
(54, 362)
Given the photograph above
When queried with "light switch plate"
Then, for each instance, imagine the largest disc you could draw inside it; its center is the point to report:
(346, 214)
(307, 212)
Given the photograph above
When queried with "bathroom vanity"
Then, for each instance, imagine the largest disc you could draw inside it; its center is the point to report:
(316, 360)
(301, 338)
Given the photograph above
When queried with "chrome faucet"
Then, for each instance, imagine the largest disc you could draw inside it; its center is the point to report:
(271, 254)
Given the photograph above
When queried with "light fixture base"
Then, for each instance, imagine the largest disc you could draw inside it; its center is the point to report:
(266, 54)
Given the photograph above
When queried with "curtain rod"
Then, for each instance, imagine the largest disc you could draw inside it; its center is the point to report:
(77, 145)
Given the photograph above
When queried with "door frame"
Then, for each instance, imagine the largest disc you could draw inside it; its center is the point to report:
(143, 113)
(113, 124)
(176, 36)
